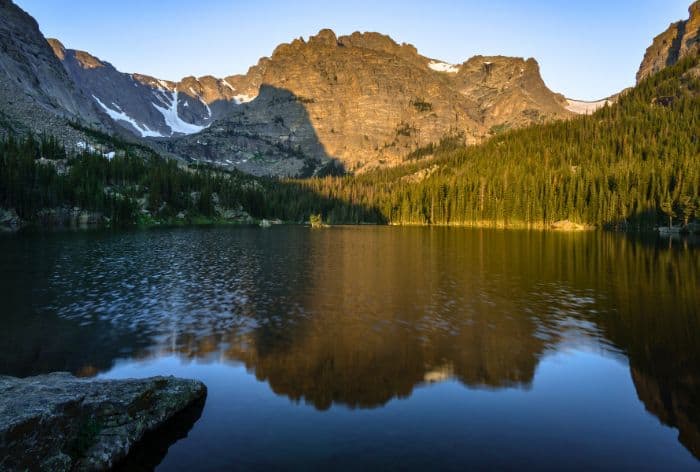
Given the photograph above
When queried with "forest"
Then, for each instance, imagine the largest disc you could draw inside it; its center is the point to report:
(629, 166)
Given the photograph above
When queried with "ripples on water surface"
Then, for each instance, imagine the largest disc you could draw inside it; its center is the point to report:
(381, 347)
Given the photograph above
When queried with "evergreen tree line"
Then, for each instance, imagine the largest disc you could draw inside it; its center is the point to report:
(37, 174)
(31, 180)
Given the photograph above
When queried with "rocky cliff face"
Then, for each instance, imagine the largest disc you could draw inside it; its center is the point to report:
(36, 94)
(681, 39)
(364, 101)
(322, 105)
(331, 103)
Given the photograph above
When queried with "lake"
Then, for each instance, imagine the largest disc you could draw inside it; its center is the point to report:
(378, 347)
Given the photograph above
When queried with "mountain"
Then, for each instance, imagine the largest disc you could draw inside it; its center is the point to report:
(625, 166)
(358, 101)
(365, 101)
(680, 40)
(36, 93)
(143, 105)
(324, 105)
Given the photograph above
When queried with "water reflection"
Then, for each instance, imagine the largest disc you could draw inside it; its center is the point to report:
(360, 316)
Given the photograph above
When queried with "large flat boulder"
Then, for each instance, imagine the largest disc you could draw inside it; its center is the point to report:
(58, 422)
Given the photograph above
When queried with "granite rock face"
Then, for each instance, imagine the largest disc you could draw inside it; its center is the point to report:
(680, 40)
(365, 101)
(36, 94)
(57, 422)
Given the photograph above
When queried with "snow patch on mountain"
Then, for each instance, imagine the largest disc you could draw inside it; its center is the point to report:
(586, 108)
(207, 107)
(443, 67)
(142, 129)
(243, 98)
(173, 120)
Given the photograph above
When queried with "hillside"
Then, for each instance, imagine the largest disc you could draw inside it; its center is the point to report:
(36, 94)
(630, 165)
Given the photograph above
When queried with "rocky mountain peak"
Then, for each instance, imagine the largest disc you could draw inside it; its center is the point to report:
(694, 9)
(681, 39)
(83, 58)
(325, 37)
(58, 48)
(87, 60)
(382, 43)
(365, 100)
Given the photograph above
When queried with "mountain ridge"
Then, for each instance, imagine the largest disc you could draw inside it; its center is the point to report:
(330, 103)
(361, 101)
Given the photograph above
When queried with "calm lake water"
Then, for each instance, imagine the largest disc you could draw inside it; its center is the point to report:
(378, 347)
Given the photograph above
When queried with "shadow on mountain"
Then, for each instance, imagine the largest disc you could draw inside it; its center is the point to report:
(271, 135)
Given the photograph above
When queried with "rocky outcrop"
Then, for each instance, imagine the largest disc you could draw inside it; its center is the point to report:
(510, 91)
(9, 221)
(681, 39)
(58, 422)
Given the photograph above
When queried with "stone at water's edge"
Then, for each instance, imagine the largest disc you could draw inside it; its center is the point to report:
(58, 422)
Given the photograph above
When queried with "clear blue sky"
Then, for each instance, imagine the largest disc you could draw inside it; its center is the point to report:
(586, 49)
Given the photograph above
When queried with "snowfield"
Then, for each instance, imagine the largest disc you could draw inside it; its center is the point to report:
(144, 130)
(586, 108)
(443, 67)
(173, 120)
(243, 98)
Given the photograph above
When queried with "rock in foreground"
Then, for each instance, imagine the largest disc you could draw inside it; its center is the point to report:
(59, 422)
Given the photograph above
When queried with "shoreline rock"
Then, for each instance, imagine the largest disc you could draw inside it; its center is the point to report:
(9, 221)
(566, 225)
(58, 422)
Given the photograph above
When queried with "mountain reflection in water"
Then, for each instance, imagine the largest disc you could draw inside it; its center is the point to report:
(359, 316)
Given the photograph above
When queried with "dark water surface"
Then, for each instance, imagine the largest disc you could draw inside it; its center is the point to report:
(366, 347)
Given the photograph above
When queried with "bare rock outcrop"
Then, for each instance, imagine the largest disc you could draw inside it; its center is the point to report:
(680, 40)
(58, 422)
